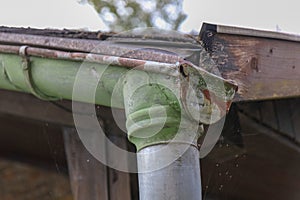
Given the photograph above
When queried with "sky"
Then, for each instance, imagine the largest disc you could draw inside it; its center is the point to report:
(49, 14)
(261, 14)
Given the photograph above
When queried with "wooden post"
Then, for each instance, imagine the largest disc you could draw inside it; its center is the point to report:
(118, 182)
(90, 179)
(87, 175)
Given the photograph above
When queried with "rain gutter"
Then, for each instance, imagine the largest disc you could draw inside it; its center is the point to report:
(159, 91)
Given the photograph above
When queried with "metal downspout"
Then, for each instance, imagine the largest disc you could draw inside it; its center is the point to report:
(179, 180)
(165, 131)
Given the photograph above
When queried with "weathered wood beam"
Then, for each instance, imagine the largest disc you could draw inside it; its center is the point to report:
(280, 115)
(28, 106)
(265, 65)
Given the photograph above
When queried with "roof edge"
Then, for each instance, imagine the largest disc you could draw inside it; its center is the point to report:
(234, 30)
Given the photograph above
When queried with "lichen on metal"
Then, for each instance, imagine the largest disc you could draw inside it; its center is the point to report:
(158, 106)
(152, 109)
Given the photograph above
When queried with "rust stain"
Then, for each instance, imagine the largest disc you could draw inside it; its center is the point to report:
(212, 98)
(131, 62)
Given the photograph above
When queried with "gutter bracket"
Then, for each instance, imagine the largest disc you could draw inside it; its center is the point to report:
(26, 67)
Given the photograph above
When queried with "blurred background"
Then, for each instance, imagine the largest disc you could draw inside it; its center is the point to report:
(257, 157)
(183, 15)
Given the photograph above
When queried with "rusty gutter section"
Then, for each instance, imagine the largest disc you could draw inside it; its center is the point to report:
(154, 53)
(171, 69)
(87, 46)
(151, 66)
(144, 52)
(123, 44)
(168, 57)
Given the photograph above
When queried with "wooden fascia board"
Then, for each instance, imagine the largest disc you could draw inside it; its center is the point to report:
(264, 64)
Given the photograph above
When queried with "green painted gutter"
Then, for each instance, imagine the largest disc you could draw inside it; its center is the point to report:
(55, 78)
(34, 70)
(166, 96)
(54, 63)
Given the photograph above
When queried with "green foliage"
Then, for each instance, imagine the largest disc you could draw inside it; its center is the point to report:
(122, 15)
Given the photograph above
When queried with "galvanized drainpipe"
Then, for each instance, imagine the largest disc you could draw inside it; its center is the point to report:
(179, 180)
(164, 119)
